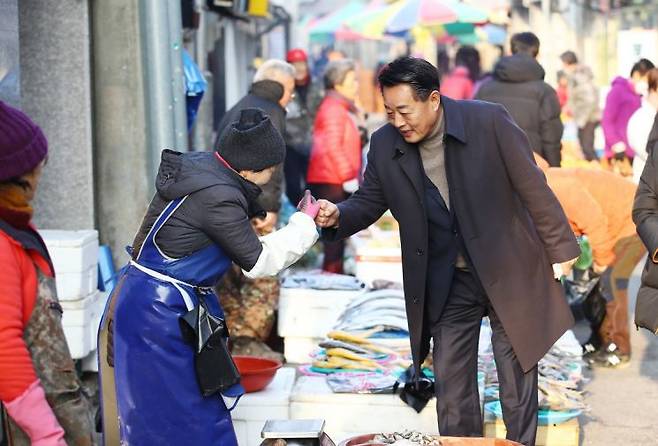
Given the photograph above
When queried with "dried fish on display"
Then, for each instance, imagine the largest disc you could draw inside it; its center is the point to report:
(560, 379)
(408, 438)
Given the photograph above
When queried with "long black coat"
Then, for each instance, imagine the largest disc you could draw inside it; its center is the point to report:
(645, 210)
(512, 224)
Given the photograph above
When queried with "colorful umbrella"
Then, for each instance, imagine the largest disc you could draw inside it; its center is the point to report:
(372, 22)
(494, 34)
(468, 13)
(420, 12)
(326, 27)
(431, 13)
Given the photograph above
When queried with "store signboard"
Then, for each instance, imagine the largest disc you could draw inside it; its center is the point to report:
(633, 45)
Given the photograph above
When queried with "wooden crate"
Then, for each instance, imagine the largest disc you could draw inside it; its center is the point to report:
(563, 434)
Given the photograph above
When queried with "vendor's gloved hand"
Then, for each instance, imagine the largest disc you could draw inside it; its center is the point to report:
(34, 416)
(309, 205)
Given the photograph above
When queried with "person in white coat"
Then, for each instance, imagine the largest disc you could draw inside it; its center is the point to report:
(641, 122)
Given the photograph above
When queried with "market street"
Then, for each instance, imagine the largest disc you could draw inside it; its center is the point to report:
(621, 400)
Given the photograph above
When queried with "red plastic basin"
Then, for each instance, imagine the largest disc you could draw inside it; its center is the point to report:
(255, 373)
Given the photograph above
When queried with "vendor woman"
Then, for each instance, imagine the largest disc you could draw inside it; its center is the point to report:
(162, 338)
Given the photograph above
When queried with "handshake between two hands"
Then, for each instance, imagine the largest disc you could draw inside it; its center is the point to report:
(326, 215)
(324, 212)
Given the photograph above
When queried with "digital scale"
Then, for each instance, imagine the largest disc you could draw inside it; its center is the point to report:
(295, 433)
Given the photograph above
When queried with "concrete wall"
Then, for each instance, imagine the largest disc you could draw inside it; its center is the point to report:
(9, 66)
(121, 153)
(56, 93)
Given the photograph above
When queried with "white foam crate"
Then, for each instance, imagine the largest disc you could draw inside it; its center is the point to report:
(254, 409)
(378, 264)
(72, 251)
(297, 350)
(75, 258)
(80, 321)
(311, 313)
(348, 415)
(70, 286)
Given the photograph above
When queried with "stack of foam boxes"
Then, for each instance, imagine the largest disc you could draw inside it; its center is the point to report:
(306, 316)
(75, 258)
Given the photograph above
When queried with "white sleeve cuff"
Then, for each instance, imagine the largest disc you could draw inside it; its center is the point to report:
(284, 247)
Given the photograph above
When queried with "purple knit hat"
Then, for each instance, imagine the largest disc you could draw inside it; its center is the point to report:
(22, 143)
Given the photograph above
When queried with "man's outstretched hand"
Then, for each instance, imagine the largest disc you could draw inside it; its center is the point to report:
(328, 215)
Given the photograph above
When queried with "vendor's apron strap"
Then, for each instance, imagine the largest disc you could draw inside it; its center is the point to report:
(158, 224)
(178, 284)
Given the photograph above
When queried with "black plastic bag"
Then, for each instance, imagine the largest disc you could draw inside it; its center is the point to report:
(586, 300)
(417, 391)
(215, 369)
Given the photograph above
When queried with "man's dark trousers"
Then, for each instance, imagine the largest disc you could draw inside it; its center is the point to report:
(455, 357)
(455, 313)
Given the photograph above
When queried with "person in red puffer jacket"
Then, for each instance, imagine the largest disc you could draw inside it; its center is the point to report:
(335, 163)
(39, 387)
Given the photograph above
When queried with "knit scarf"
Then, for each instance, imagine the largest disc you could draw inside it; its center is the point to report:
(14, 207)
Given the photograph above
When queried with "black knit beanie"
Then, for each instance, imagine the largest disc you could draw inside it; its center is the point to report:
(252, 142)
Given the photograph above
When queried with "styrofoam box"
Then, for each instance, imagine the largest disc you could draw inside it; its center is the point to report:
(353, 414)
(306, 316)
(80, 320)
(75, 256)
(70, 286)
(297, 350)
(348, 415)
(254, 409)
(311, 313)
(378, 263)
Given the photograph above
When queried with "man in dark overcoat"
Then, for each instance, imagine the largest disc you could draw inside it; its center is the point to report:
(482, 235)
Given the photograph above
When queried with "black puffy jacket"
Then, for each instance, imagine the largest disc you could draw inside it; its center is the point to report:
(518, 84)
(218, 209)
(645, 217)
(645, 209)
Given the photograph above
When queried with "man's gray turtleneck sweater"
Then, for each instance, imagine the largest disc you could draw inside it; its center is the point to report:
(432, 152)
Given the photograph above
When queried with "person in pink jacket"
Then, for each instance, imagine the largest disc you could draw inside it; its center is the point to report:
(460, 82)
(624, 98)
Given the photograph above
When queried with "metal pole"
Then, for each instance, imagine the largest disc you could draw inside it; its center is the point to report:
(177, 76)
(201, 52)
(157, 80)
(203, 128)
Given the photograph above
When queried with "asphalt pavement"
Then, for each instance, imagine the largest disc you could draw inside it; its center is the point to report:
(624, 402)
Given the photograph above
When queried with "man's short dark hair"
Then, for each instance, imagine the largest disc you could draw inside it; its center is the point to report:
(419, 74)
(525, 43)
(642, 66)
(569, 58)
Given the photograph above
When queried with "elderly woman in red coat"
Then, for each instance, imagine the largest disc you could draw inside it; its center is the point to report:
(39, 387)
(335, 164)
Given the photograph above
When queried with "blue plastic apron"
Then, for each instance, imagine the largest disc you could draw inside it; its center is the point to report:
(157, 396)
